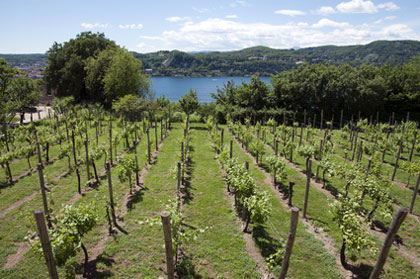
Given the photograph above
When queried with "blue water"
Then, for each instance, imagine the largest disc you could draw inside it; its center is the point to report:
(175, 87)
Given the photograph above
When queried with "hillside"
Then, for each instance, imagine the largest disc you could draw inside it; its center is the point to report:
(260, 59)
(268, 61)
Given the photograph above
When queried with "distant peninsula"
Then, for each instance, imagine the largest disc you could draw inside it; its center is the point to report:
(263, 60)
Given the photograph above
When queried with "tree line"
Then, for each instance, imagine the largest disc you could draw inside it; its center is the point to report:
(365, 91)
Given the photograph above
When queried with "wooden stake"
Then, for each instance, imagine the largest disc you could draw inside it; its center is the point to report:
(156, 136)
(308, 181)
(137, 163)
(178, 185)
(170, 267)
(396, 162)
(291, 184)
(393, 229)
(43, 193)
(45, 242)
(110, 140)
(231, 149)
(149, 159)
(413, 199)
(111, 195)
(341, 119)
(412, 147)
(290, 240)
(222, 135)
(182, 152)
(87, 160)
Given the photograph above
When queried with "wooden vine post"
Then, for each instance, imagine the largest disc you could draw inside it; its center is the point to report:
(111, 195)
(45, 243)
(276, 144)
(321, 143)
(79, 190)
(290, 241)
(360, 152)
(156, 136)
(149, 159)
(322, 119)
(341, 119)
(182, 152)
(308, 181)
(222, 135)
(301, 135)
(413, 146)
(87, 160)
(289, 202)
(161, 129)
(416, 190)
(396, 162)
(43, 193)
(170, 266)
(110, 140)
(231, 149)
(178, 184)
(38, 148)
(393, 229)
(137, 163)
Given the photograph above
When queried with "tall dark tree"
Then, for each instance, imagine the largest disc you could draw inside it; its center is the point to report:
(65, 70)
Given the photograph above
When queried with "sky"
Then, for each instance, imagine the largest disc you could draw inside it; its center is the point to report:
(29, 26)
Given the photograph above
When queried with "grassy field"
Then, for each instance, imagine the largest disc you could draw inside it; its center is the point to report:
(219, 248)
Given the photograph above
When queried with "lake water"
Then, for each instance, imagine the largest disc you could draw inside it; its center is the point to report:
(175, 87)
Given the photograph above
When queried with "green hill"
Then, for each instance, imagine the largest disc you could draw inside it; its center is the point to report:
(263, 60)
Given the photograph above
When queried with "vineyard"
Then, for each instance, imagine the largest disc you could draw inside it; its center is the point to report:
(296, 198)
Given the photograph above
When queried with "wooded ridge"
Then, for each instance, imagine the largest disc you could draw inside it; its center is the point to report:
(259, 59)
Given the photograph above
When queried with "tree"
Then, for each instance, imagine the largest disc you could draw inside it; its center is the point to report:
(7, 105)
(131, 107)
(65, 70)
(124, 77)
(189, 104)
(93, 68)
(24, 93)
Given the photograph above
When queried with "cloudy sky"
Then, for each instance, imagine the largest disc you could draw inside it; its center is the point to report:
(29, 26)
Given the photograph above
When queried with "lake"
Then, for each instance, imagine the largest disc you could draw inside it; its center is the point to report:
(175, 87)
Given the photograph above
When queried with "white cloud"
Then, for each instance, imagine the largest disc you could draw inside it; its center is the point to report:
(396, 31)
(155, 38)
(325, 11)
(388, 6)
(290, 12)
(239, 3)
(325, 22)
(364, 7)
(176, 18)
(223, 34)
(357, 6)
(200, 10)
(94, 25)
(231, 16)
(384, 19)
(131, 26)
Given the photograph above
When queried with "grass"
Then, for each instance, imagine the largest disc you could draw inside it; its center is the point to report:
(316, 264)
(218, 252)
(14, 226)
(319, 215)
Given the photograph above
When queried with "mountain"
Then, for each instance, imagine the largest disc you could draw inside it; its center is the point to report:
(268, 61)
(263, 60)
